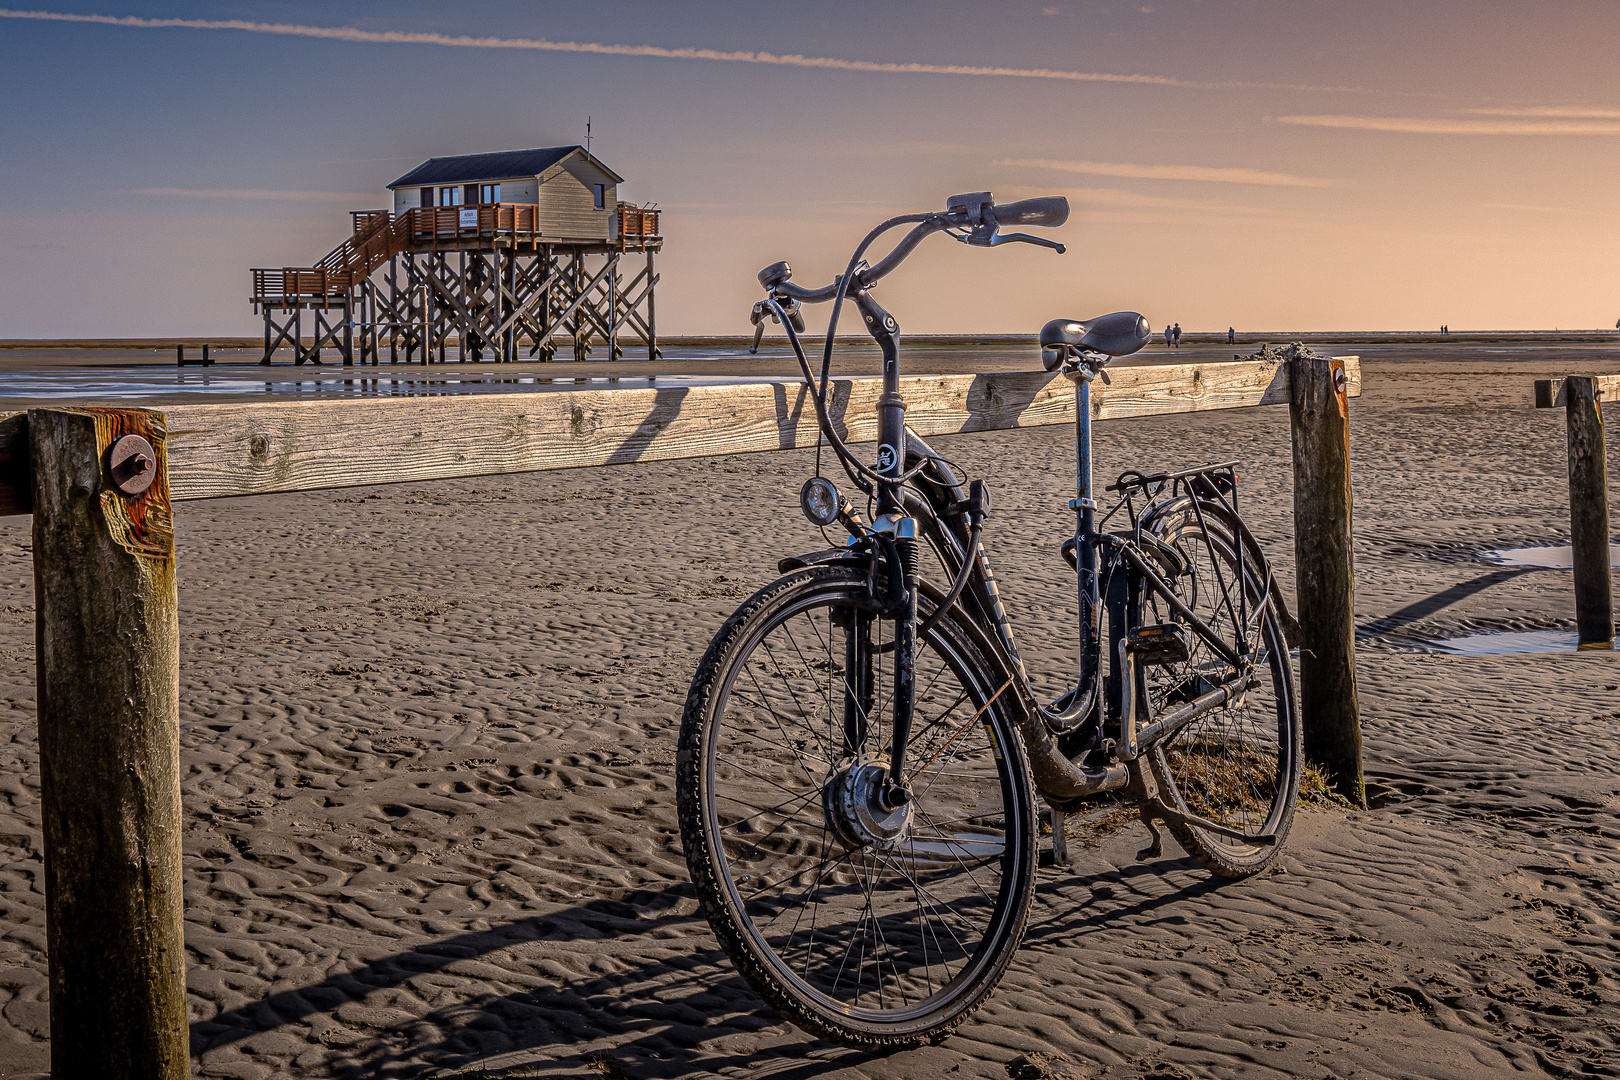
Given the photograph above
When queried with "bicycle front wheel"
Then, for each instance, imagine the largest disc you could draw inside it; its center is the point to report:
(865, 925)
(1237, 766)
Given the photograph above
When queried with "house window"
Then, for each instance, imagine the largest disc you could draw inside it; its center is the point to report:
(489, 193)
(450, 196)
(601, 196)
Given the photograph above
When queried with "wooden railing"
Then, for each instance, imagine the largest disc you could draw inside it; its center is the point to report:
(379, 236)
(637, 227)
(107, 612)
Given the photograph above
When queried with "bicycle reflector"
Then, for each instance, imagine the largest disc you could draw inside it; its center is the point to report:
(820, 501)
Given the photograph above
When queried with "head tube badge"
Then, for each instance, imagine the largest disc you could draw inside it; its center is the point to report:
(886, 458)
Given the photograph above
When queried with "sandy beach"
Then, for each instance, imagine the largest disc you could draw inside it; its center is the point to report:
(428, 734)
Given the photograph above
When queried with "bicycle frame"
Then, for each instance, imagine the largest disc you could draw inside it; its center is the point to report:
(909, 511)
(1080, 718)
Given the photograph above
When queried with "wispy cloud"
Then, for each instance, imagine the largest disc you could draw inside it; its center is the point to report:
(1524, 208)
(257, 193)
(1425, 125)
(400, 37)
(1086, 200)
(1575, 112)
(1211, 173)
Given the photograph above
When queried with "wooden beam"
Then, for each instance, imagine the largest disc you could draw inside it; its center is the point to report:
(259, 448)
(1550, 392)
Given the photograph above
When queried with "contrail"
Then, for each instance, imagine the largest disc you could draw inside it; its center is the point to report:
(256, 194)
(399, 37)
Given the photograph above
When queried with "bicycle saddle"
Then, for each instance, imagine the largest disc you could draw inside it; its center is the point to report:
(1119, 334)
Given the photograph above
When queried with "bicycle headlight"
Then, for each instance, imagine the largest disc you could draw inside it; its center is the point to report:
(820, 501)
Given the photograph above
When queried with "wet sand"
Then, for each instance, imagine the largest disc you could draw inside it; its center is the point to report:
(427, 743)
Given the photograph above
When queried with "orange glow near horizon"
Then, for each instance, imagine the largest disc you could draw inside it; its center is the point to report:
(1267, 165)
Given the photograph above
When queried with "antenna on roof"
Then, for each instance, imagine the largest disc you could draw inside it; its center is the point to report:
(587, 136)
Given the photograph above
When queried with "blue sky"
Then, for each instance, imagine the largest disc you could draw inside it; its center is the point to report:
(1275, 164)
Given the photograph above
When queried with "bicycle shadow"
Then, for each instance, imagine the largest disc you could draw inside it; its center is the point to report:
(998, 400)
(663, 1013)
(671, 1016)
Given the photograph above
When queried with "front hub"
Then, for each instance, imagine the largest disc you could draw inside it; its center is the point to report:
(856, 807)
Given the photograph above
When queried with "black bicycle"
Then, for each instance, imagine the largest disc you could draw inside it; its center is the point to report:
(862, 745)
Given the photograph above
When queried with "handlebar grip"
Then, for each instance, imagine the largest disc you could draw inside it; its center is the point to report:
(1048, 212)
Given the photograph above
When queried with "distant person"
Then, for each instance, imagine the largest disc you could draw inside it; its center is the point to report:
(1167, 335)
(1178, 335)
(1231, 334)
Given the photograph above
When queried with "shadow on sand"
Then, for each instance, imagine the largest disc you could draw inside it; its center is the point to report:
(661, 1017)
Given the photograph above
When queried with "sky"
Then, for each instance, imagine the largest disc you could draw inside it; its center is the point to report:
(1272, 165)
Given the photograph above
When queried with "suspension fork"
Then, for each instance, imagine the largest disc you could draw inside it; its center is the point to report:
(892, 519)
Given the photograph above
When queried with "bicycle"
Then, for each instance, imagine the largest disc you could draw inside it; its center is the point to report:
(861, 744)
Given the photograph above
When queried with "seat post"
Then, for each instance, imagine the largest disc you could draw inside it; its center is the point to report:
(1085, 523)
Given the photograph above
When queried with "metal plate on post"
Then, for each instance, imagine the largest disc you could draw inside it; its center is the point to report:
(133, 465)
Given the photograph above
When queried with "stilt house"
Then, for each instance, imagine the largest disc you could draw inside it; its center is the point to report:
(499, 254)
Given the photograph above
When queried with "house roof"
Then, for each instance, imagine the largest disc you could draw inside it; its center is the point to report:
(504, 165)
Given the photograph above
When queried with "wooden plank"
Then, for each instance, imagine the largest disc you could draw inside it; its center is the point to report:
(1550, 392)
(265, 447)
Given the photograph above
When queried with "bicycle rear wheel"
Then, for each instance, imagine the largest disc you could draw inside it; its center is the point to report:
(1237, 766)
(865, 926)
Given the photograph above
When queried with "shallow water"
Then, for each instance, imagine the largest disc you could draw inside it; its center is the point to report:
(1546, 558)
(137, 382)
(238, 374)
(1511, 643)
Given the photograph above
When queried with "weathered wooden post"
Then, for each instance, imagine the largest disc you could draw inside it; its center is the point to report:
(108, 670)
(1319, 408)
(208, 361)
(179, 356)
(1589, 511)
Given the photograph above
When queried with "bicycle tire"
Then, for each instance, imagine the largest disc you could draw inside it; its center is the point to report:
(1239, 765)
(931, 912)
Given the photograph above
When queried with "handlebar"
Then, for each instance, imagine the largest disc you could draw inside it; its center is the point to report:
(973, 219)
(1045, 213)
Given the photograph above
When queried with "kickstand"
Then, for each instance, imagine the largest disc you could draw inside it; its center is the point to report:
(1060, 838)
(1155, 849)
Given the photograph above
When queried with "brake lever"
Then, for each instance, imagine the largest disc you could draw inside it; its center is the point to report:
(757, 317)
(763, 311)
(1024, 238)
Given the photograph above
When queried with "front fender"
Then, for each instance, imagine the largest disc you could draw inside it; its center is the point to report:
(826, 557)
